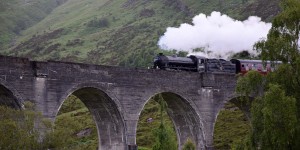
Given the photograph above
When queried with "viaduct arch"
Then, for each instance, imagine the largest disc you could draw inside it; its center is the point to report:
(106, 112)
(10, 96)
(187, 122)
(116, 96)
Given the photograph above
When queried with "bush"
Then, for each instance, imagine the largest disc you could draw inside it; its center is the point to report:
(20, 129)
(27, 129)
(98, 23)
(189, 145)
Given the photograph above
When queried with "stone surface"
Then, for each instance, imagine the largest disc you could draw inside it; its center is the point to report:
(116, 96)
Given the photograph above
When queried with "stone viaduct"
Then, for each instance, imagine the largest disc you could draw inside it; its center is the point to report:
(115, 96)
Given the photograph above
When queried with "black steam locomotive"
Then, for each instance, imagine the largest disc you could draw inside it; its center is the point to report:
(203, 64)
(193, 63)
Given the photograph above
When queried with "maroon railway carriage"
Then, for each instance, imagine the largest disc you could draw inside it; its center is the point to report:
(243, 65)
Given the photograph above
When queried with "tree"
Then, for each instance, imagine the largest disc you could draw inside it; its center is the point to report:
(275, 113)
(283, 38)
(18, 129)
(274, 119)
(27, 129)
(182, 54)
(204, 50)
(242, 55)
(164, 140)
(179, 53)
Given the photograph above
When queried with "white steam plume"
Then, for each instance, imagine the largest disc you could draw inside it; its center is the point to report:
(217, 33)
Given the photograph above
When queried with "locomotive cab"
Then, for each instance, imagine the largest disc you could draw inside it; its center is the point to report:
(227, 66)
(160, 61)
(199, 62)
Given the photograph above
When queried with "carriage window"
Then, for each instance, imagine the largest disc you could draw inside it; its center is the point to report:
(259, 67)
(247, 67)
(250, 66)
(254, 66)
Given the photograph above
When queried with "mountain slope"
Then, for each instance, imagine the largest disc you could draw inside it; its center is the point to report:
(18, 15)
(117, 32)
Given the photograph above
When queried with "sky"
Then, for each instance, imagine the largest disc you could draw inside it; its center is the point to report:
(217, 33)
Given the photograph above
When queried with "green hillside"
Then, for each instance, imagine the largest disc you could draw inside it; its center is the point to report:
(18, 15)
(231, 127)
(119, 32)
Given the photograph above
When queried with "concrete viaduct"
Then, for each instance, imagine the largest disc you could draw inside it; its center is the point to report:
(115, 96)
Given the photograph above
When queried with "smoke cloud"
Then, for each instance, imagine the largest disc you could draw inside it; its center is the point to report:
(217, 33)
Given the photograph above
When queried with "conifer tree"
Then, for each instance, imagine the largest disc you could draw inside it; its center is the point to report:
(164, 140)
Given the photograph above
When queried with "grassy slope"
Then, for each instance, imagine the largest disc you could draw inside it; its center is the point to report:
(145, 137)
(17, 15)
(75, 24)
(230, 128)
(129, 37)
(76, 117)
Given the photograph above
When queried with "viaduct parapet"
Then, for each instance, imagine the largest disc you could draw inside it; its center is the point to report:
(115, 96)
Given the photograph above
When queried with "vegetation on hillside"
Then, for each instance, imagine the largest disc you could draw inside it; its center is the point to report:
(81, 129)
(231, 127)
(118, 32)
(27, 129)
(16, 15)
(149, 120)
(17, 129)
(189, 145)
(163, 137)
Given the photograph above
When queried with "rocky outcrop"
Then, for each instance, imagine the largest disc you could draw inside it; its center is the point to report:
(263, 8)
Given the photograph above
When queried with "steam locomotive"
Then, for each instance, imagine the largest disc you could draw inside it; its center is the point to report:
(203, 64)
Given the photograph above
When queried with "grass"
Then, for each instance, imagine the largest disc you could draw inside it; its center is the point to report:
(76, 117)
(145, 129)
(19, 15)
(230, 128)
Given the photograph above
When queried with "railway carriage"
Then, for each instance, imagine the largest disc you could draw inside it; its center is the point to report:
(243, 66)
